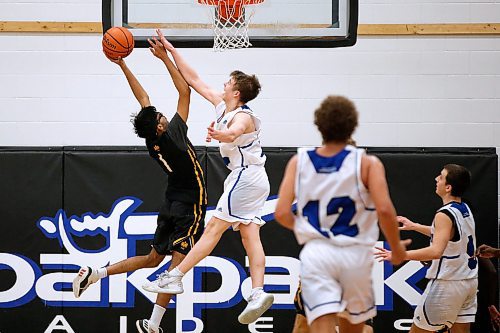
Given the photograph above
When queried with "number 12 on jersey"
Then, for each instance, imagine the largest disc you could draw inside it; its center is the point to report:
(343, 206)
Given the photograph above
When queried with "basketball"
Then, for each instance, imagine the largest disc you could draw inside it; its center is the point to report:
(117, 42)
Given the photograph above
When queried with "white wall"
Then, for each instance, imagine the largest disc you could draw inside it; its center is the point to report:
(59, 89)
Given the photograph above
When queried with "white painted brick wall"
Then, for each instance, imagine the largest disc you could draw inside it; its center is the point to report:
(59, 89)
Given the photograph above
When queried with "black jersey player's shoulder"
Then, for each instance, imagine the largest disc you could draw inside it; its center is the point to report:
(177, 132)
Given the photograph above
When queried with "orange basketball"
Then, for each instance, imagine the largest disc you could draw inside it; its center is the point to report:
(117, 42)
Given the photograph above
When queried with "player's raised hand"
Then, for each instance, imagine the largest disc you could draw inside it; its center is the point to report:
(157, 48)
(209, 130)
(168, 46)
(406, 224)
(119, 61)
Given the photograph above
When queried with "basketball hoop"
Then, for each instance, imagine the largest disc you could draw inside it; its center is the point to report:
(230, 20)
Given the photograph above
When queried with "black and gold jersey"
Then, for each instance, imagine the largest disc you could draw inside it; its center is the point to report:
(176, 156)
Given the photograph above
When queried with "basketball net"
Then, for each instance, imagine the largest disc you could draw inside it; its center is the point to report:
(229, 21)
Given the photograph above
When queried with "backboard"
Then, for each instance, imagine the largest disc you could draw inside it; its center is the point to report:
(274, 23)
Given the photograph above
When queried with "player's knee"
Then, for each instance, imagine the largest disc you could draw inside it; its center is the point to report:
(153, 259)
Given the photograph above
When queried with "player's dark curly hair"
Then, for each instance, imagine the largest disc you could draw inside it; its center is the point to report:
(458, 177)
(145, 122)
(247, 85)
(336, 119)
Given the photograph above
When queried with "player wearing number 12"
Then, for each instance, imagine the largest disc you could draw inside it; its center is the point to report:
(449, 300)
(340, 193)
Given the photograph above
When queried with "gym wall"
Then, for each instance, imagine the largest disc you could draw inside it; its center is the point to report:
(71, 206)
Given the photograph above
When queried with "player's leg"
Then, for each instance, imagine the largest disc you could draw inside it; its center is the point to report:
(172, 282)
(258, 301)
(87, 275)
(345, 326)
(300, 324)
(250, 237)
(460, 328)
(415, 329)
(152, 325)
(325, 324)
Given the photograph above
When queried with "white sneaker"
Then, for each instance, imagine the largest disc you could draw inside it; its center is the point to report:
(166, 283)
(258, 303)
(85, 277)
(143, 326)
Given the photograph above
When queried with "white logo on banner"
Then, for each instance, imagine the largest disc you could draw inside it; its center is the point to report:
(120, 229)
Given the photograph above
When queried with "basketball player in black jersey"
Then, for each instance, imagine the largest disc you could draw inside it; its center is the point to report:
(181, 219)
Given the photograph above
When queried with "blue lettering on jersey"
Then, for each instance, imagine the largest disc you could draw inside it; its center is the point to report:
(327, 164)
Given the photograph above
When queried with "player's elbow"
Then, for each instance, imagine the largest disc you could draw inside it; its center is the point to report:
(386, 213)
(284, 217)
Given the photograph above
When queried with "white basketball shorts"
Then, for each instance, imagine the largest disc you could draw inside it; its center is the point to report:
(446, 302)
(245, 193)
(337, 280)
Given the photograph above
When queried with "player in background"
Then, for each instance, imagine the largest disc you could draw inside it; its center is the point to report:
(449, 300)
(340, 193)
(181, 219)
(246, 188)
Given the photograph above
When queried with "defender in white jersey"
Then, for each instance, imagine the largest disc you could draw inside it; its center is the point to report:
(449, 300)
(245, 189)
(340, 192)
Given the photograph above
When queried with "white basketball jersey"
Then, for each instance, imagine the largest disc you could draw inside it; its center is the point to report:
(332, 202)
(457, 261)
(246, 149)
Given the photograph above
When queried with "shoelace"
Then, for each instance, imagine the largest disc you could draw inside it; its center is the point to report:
(161, 276)
(255, 295)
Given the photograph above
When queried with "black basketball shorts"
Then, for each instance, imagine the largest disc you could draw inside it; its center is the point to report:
(179, 227)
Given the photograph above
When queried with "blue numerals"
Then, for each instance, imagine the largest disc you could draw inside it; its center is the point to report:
(343, 206)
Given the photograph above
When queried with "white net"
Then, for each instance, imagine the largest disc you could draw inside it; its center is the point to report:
(230, 20)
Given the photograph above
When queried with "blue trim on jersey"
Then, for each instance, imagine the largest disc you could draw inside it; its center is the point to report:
(220, 118)
(314, 307)
(229, 198)
(362, 312)
(425, 312)
(327, 164)
(242, 158)
(461, 207)
(451, 257)
(441, 262)
(248, 145)
(226, 160)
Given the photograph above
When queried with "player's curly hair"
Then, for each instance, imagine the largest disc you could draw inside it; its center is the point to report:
(145, 122)
(336, 119)
(458, 177)
(248, 85)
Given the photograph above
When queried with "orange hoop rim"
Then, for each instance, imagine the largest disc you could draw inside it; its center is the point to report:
(230, 2)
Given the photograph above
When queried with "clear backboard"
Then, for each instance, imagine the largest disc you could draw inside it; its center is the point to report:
(271, 23)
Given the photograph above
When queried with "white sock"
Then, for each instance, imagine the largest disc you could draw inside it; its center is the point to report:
(102, 272)
(176, 272)
(156, 316)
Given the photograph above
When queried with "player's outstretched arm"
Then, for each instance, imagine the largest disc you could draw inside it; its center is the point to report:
(189, 74)
(139, 92)
(486, 251)
(283, 213)
(443, 227)
(239, 124)
(158, 50)
(407, 224)
(379, 192)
